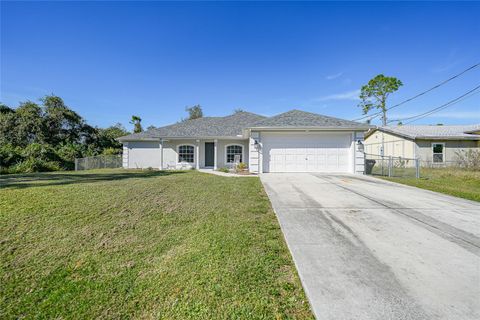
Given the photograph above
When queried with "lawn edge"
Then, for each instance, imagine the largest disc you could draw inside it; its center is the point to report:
(299, 275)
(428, 190)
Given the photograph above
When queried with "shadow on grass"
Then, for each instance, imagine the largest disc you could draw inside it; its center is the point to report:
(20, 181)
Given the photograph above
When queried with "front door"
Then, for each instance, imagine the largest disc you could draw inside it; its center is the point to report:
(209, 154)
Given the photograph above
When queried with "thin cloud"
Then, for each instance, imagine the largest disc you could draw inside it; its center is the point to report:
(349, 95)
(450, 62)
(445, 67)
(334, 76)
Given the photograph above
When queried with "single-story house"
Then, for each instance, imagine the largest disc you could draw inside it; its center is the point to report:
(294, 141)
(432, 144)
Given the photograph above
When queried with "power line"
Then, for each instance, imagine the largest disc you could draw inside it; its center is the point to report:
(439, 108)
(376, 114)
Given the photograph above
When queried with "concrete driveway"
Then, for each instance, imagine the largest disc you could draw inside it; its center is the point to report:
(370, 249)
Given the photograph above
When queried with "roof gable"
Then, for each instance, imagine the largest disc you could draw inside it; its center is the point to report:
(298, 118)
(232, 126)
(229, 126)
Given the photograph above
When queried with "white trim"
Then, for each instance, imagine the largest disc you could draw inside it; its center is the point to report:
(178, 152)
(184, 138)
(353, 150)
(234, 144)
(260, 152)
(312, 129)
(125, 155)
(197, 156)
(215, 158)
(443, 152)
(160, 145)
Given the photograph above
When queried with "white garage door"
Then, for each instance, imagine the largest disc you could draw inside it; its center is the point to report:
(306, 152)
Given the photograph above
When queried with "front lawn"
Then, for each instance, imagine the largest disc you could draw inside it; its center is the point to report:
(123, 244)
(453, 181)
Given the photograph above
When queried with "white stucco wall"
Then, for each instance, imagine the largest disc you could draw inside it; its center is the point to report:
(170, 154)
(254, 153)
(359, 156)
(138, 154)
(143, 154)
(222, 155)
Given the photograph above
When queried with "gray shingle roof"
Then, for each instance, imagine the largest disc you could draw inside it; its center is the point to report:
(233, 125)
(435, 132)
(299, 119)
(229, 126)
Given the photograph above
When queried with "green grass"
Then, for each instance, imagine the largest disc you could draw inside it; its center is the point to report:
(453, 181)
(130, 244)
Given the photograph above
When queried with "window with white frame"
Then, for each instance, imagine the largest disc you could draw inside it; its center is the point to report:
(185, 153)
(438, 150)
(232, 151)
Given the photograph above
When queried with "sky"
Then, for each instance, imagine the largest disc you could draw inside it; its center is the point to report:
(110, 60)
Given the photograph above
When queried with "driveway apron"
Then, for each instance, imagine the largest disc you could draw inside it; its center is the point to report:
(370, 249)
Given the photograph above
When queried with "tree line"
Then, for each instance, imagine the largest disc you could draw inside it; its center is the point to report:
(48, 136)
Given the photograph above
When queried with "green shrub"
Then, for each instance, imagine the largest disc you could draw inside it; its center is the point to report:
(34, 165)
(10, 155)
(111, 151)
(34, 157)
(67, 154)
(224, 169)
(242, 166)
(41, 151)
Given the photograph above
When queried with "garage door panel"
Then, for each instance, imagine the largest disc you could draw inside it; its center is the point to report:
(306, 152)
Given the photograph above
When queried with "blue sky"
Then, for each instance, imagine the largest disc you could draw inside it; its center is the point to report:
(109, 60)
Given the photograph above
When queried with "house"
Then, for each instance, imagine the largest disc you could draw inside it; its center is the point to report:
(432, 144)
(294, 141)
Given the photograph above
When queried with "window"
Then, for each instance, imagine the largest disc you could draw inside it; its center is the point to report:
(185, 153)
(437, 149)
(232, 151)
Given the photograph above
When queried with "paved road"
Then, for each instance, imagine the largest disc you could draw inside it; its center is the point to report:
(369, 249)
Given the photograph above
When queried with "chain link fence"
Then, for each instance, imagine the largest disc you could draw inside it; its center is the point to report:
(98, 162)
(389, 166)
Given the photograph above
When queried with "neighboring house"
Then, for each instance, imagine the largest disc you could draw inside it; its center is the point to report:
(294, 141)
(432, 144)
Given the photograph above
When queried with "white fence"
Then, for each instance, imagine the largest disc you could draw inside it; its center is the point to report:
(98, 162)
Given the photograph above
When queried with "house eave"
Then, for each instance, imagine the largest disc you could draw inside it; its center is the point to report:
(447, 138)
(239, 137)
(308, 128)
(137, 139)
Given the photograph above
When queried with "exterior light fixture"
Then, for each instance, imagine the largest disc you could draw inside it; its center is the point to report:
(256, 144)
(360, 145)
